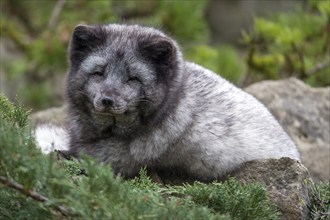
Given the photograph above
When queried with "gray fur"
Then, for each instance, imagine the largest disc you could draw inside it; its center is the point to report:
(134, 102)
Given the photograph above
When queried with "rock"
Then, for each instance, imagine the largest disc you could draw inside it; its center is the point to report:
(304, 112)
(286, 182)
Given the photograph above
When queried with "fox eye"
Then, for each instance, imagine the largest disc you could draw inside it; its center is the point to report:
(133, 78)
(97, 73)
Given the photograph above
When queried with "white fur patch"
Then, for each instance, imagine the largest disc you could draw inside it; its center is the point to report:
(50, 137)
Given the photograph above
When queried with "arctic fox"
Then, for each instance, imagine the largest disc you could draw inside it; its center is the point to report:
(134, 102)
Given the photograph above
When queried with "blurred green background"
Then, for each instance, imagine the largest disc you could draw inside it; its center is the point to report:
(243, 41)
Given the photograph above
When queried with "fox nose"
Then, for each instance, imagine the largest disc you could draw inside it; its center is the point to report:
(107, 101)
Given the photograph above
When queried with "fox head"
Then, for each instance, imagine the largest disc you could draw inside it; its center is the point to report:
(121, 75)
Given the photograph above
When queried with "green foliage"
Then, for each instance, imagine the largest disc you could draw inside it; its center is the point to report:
(292, 45)
(170, 16)
(322, 6)
(223, 60)
(15, 114)
(143, 181)
(320, 198)
(173, 16)
(100, 194)
(228, 198)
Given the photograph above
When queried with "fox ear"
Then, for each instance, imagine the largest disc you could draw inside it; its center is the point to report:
(159, 50)
(82, 34)
(84, 39)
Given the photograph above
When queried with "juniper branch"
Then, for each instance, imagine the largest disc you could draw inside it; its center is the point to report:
(31, 193)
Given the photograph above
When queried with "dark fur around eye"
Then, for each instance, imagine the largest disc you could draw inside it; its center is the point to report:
(133, 78)
(97, 73)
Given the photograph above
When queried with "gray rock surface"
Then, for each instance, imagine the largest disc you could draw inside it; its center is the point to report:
(285, 180)
(304, 112)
